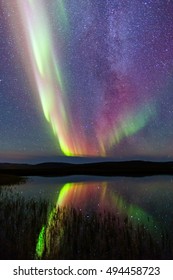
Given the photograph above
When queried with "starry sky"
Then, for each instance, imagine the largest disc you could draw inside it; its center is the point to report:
(86, 78)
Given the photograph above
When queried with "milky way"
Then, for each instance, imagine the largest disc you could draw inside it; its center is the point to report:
(99, 71)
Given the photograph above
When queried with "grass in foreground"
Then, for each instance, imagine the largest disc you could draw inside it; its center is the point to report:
(72, 234)
(75, 235)
(20, 223)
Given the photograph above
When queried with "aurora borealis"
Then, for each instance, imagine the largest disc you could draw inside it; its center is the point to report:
(86, 78)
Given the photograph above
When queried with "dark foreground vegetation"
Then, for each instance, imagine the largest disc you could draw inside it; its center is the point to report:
(128, 168)
(20, 223)
(72, 234)
(9, 180)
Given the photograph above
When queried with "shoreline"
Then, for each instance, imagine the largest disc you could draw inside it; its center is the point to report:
(126, 168)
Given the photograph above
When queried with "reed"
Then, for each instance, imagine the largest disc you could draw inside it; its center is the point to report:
(72, 234)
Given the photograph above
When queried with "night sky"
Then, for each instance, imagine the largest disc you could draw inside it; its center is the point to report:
(86, 78)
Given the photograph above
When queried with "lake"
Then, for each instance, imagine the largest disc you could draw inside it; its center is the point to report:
(85, 217)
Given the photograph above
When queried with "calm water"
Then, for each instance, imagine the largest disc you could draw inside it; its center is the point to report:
(87, 217)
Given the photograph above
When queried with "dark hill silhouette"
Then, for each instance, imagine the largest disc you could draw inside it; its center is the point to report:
(126, 168)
